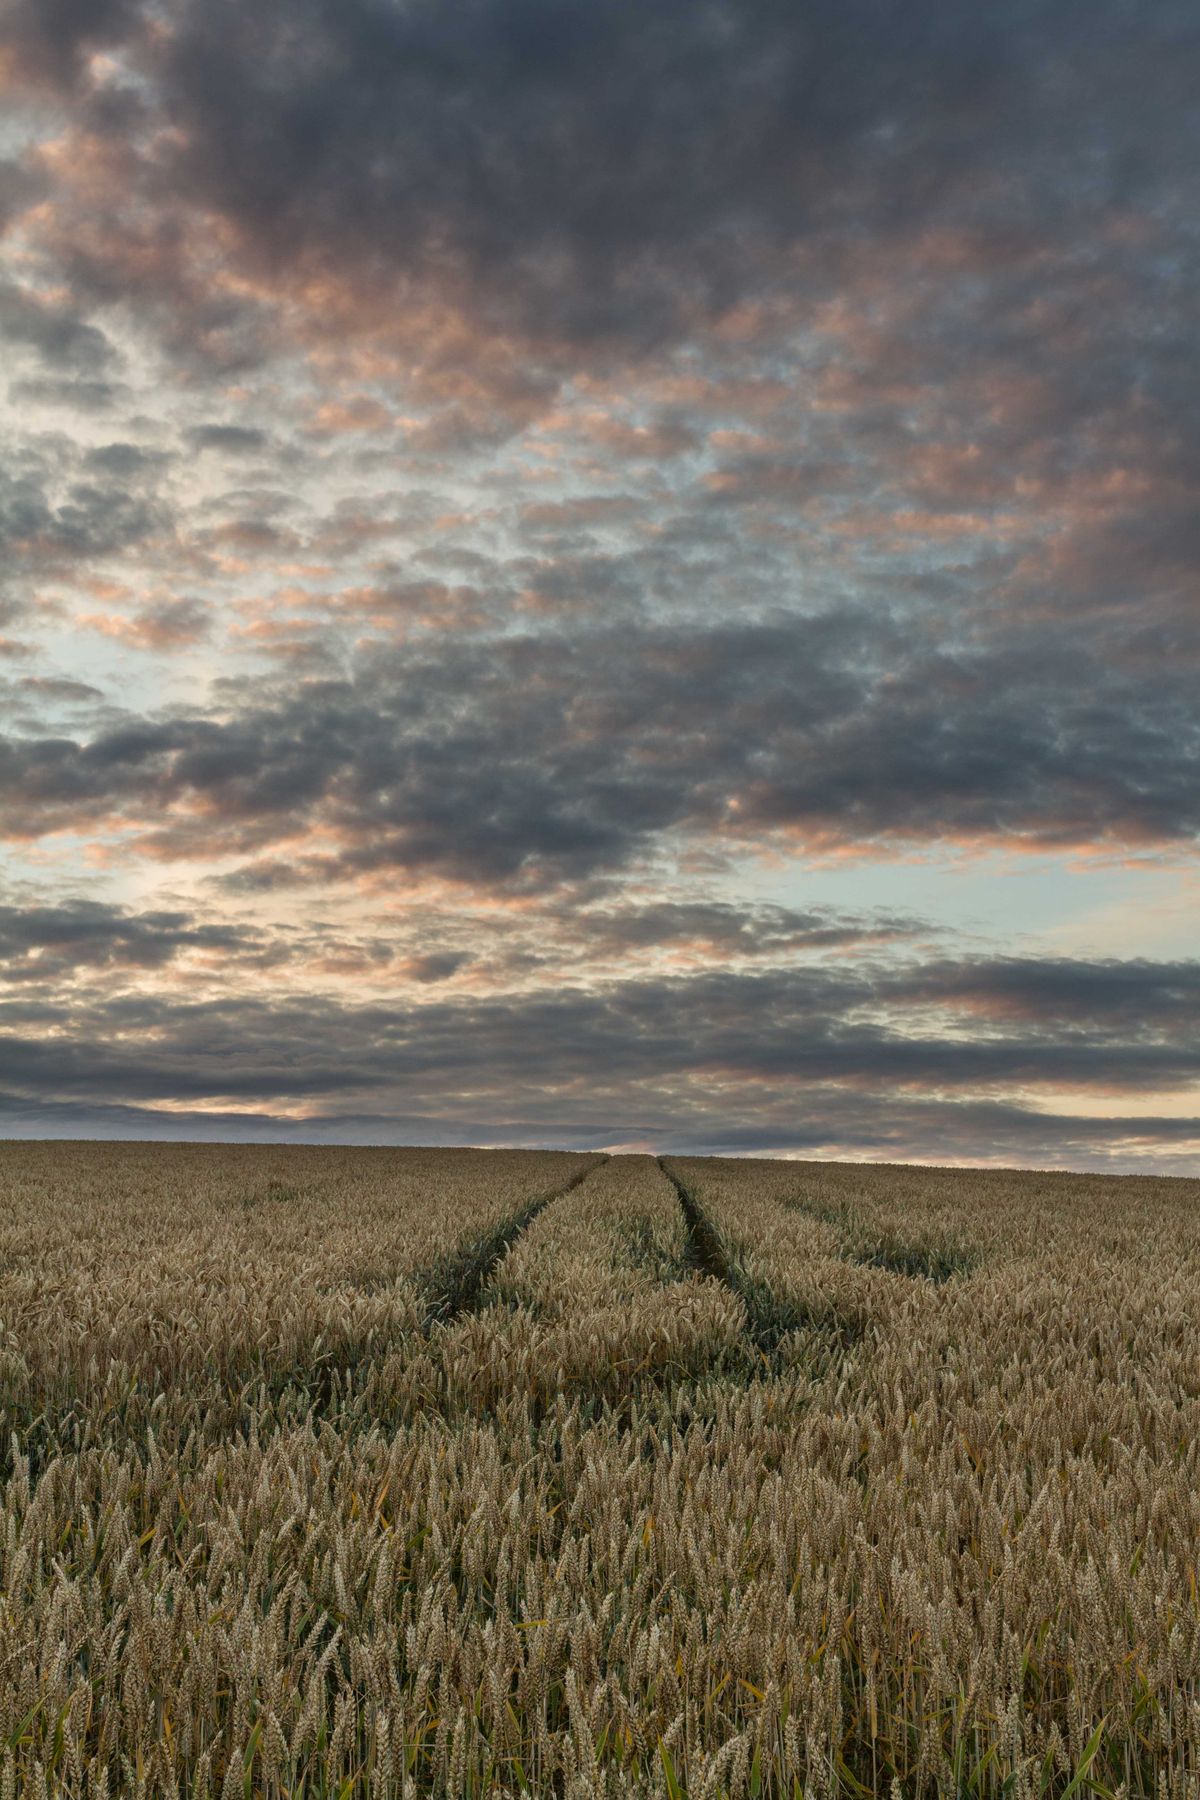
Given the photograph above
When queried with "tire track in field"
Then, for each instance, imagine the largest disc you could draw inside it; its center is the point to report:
(457, 1281)
(769, 1317)
(704, 1246)
(708, 1255)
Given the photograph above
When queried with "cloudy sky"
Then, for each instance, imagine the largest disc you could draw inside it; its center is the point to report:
(603, 573)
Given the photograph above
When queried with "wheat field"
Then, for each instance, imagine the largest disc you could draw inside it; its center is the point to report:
(414, 1472)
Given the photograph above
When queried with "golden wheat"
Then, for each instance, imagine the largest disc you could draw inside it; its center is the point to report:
(345, 1472)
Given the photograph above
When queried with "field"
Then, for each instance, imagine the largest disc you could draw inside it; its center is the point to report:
(372, 1472)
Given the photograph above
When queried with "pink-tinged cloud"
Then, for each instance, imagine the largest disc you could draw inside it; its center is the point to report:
(167, 625)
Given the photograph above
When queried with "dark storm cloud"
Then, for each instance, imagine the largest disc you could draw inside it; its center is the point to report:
(546, 759)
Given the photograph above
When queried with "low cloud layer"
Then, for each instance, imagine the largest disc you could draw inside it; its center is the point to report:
(908, 1058)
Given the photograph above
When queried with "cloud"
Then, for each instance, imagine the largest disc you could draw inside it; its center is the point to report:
(895, 1131)
(47, 39)
(124, 462)
(789, 1057)
(76, 395)
(600, 169)
(61, 505)
(167, 625)
(234, 440)
(20, 187)
(61, 688)
(434, 966)
(577, 755)
(1121, 999)
(44, 944)
(585, 180)
(62, 340)
(714, 930)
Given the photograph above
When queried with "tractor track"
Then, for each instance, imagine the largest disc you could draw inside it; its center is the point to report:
(457, 1283)
(769, 1317)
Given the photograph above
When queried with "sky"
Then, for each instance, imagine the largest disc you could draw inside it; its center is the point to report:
(600, 573)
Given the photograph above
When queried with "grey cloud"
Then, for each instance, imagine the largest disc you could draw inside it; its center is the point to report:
(435, 966)
(167, 625)
(1123, 999)
(609, 167)
(31, 702)
(94, 520)
(898, 1129)
(125, 462)
(594, 927)
(234, 440)
(815, 1025)
(50, 37)
(537, 760)
(45, 943)
(925, 575)
(788, 1057)
(55, 506)
(727, 930)
(62, 340)
(77, 395)
(267, 876)
(607, 172)
(51, 687)
(20, 186)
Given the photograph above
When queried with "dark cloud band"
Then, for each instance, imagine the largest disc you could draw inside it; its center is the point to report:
(863, 1058)
(543, 759)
